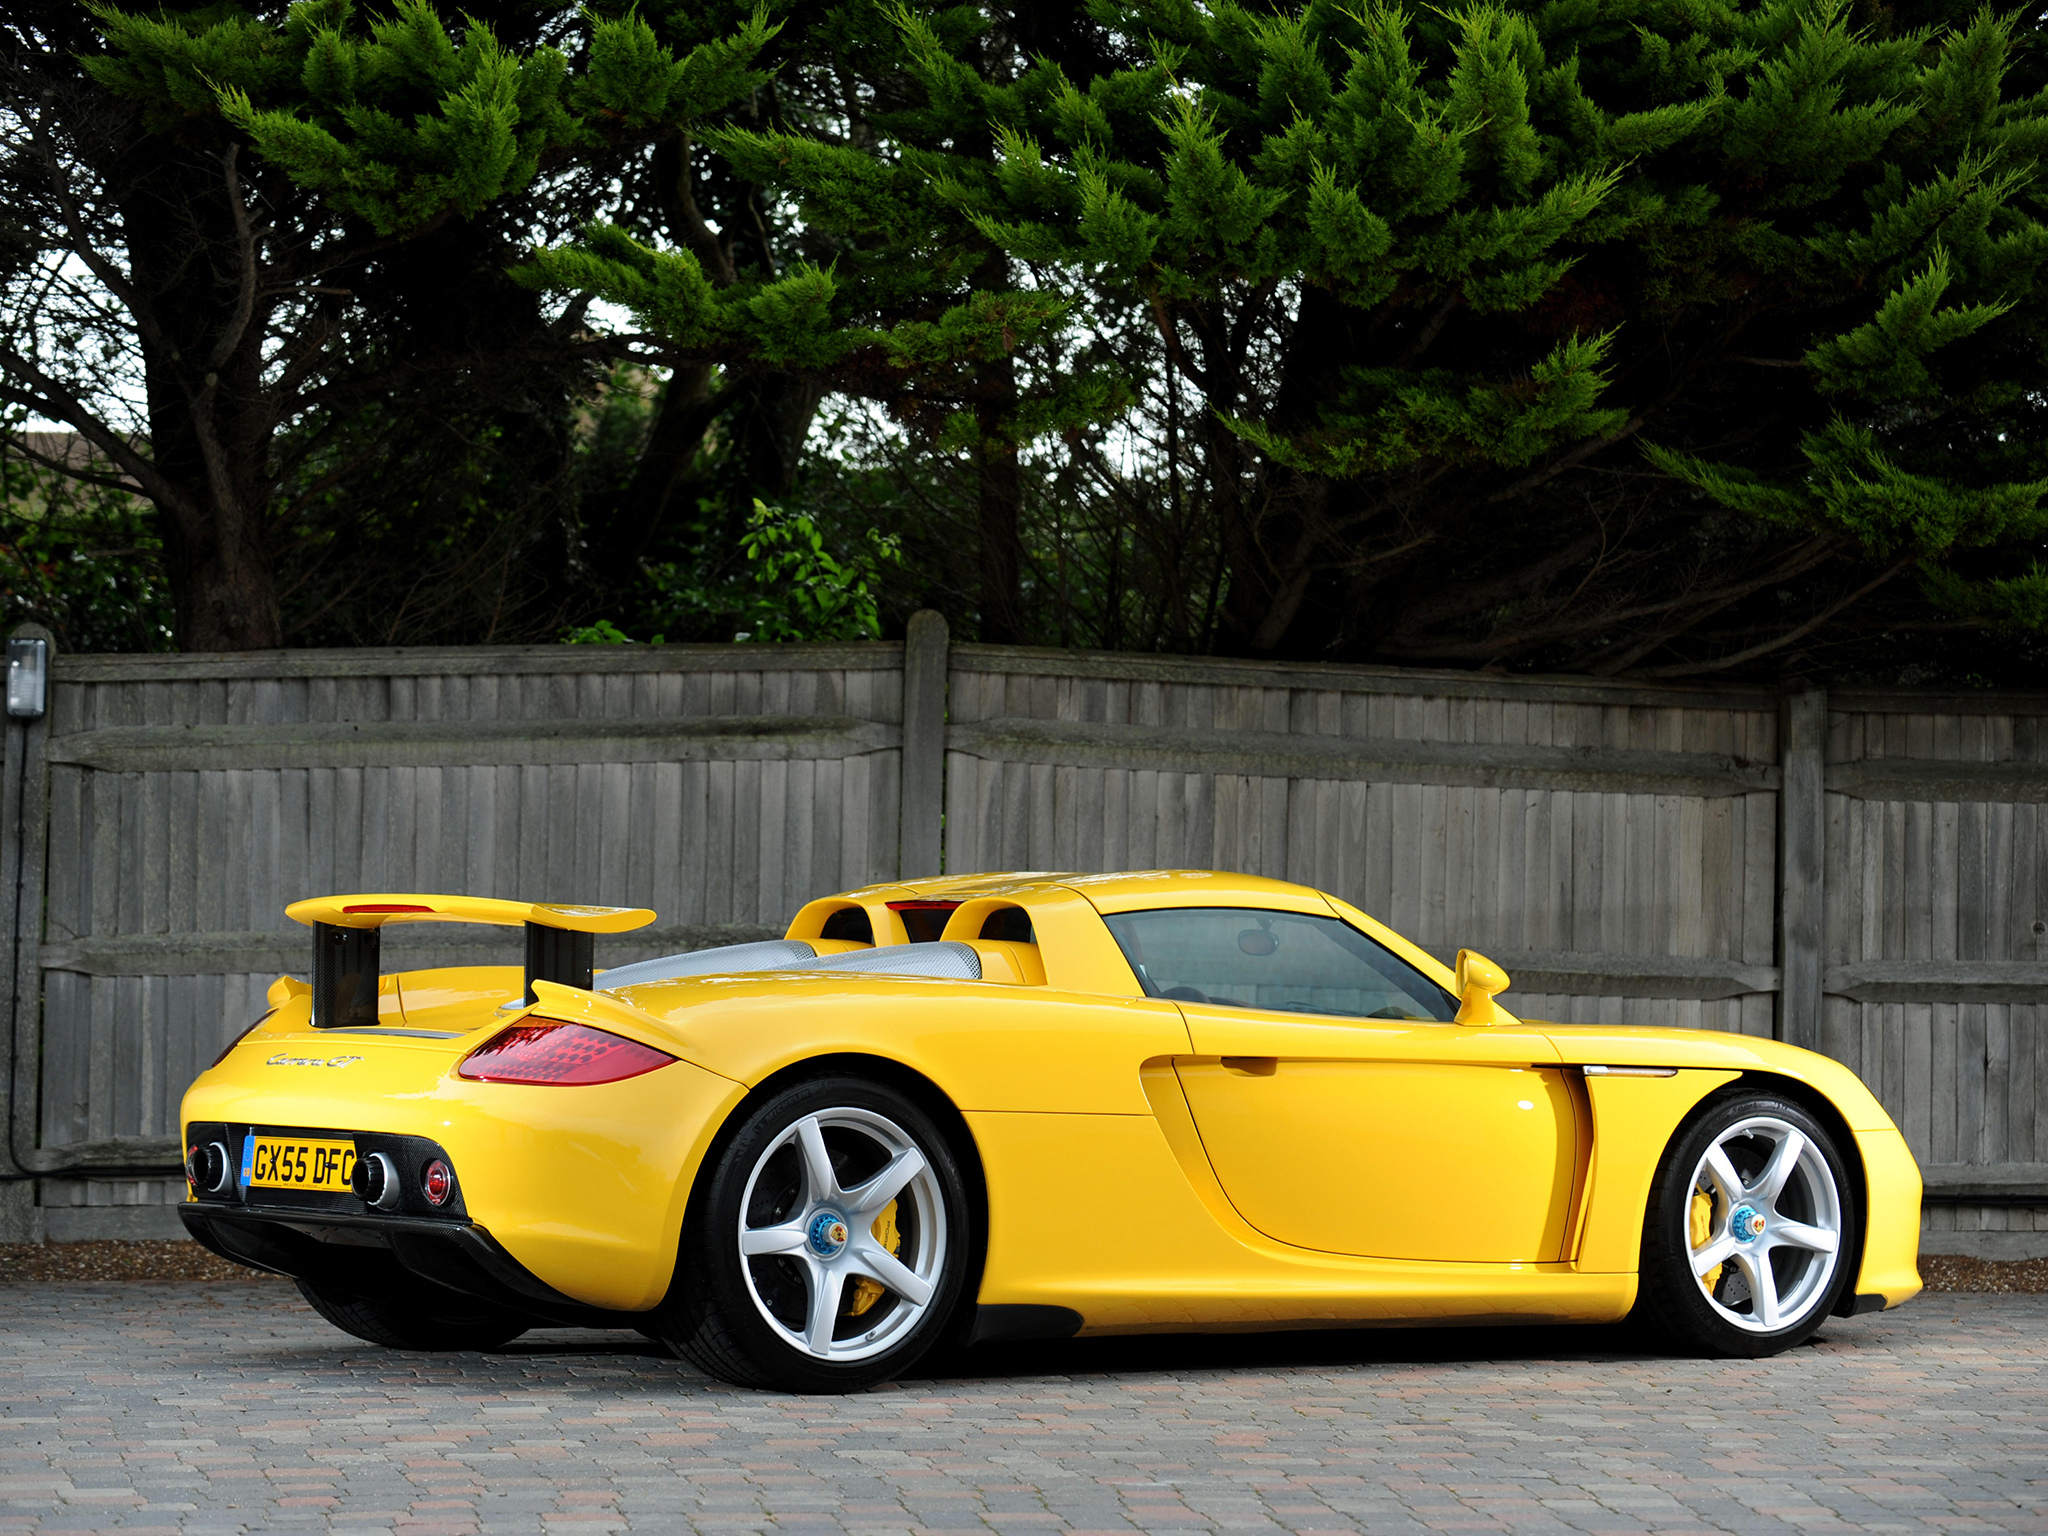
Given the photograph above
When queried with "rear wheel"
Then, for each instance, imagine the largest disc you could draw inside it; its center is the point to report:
(1746, 1243)
(440, 1322)
(828, 1245)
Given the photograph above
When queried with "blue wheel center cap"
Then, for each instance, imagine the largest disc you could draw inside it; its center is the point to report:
(827, 1235)
(1747, 1224)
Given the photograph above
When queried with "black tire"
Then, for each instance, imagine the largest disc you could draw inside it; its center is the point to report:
(749, 1320)
(441, 1322)
(1693, 1215)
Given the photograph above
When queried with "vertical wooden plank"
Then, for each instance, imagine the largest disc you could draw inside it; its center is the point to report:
(2027, 1123)
(693, 842)
(1801, 866)
(884, 801)
(1141, 817)
(965, 812)
(924, 745)
(801, 881)
(1115, 852)
(769, 847)
(720, 803)
(1589, 867)
(1934, 1059)
(1012, 849)
(1616, 869)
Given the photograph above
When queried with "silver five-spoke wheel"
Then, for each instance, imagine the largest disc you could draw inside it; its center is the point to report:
(842, 1233)
(1751, 1235)
(830, 1240)
(1765, 1224)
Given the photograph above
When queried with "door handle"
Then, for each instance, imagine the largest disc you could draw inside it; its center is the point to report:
(1252, 1066)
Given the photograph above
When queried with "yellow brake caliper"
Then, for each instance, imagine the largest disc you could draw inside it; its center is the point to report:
(1702, 1229)
(867, 1292)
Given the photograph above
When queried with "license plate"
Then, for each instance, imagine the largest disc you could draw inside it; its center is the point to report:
(274, 1163)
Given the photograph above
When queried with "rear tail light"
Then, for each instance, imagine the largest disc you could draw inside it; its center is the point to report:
(546, 1052)
(437, 1182)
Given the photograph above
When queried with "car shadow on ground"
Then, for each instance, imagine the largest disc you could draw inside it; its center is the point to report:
(1295, 1349)
(1181, 1353)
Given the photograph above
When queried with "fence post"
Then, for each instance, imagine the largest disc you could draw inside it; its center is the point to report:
(924, 746)
(24, 832)
(1802, 863)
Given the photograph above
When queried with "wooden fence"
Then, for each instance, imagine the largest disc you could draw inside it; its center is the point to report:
(1862, 873)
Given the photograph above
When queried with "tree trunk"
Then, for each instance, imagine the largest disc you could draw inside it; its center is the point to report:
(998, 499)
(777, 414)
(636, 515)
(1274, 565)
(998, 484)
(193, 264)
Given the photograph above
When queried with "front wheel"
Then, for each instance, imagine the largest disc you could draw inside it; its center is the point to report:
(1746, 1246)
(828, 1245)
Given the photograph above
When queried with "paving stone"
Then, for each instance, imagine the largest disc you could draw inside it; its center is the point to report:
(232, 1410)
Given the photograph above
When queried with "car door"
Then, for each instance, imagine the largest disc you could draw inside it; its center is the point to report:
(1340, 1108)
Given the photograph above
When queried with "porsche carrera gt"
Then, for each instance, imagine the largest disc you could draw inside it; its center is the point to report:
(1017, 1106)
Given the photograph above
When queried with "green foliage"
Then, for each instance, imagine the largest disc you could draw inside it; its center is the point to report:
(394, 120)
(602, 632)
(633, 79)
(787, 321)
(83, 560)
(1854, 487)
(789, 586)
(1758, 285)
(803, 592)
(1392, 418)
(2012, 603)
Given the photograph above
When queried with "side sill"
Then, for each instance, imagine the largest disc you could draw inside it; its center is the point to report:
(1016, 1322)
(1856, 1306)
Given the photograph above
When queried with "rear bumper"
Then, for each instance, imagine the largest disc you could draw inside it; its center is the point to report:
(379, 1254)
(584, 1187)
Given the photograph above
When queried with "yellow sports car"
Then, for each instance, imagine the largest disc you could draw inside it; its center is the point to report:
(1018, 1106)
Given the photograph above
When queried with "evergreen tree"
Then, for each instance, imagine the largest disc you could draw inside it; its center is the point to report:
(1648, 336)
(899, 297)
(1476, 299)
(292, 225)
(164, 223)
(1435, 271)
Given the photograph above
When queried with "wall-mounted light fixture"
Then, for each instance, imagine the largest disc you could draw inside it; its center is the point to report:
(28, 678)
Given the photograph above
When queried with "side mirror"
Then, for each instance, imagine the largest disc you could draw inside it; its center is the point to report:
(1477, 980)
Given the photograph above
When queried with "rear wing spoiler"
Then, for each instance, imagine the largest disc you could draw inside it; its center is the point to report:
(348, 942)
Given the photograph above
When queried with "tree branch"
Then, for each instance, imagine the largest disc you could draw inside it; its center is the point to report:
(17, 442)
(1430, 331)
(58, 402)
(79, 245)
(1736, 660)
(245, 298)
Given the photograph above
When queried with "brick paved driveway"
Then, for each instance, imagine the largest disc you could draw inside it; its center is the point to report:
(232, 1408)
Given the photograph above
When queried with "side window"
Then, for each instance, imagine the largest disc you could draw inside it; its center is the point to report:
(1245, 957)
